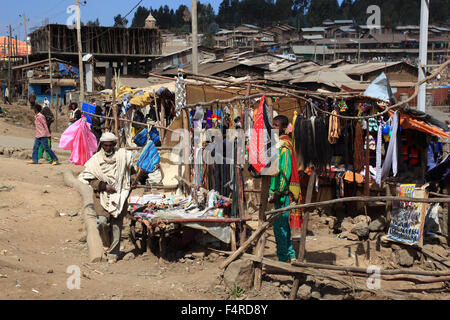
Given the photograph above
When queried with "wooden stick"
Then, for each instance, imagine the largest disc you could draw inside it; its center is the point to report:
(218, 101)
(304, 231)
(249, 241)
(128, 120)
(265, 185)
(364, 270)
(361, 199)
(233, 236)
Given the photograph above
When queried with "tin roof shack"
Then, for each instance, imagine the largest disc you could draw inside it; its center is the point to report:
(395, 71)
(35, 78)
(284, 33)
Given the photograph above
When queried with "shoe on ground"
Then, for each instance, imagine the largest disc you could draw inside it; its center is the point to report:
(32, 162)
(54, 163)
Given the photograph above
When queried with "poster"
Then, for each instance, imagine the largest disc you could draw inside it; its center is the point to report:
(408, 217)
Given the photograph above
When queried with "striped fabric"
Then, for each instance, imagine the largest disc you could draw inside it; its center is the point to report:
(149, 158)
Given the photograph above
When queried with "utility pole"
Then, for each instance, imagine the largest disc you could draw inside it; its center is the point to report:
(80, 48)
(26, 35)
(51, 77)
(424, 9)
(359, 49)
(194, 37)
(334, 55)
(9, 61)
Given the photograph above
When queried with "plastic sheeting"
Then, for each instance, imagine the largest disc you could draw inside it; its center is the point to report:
(79, 138)
(379, 89)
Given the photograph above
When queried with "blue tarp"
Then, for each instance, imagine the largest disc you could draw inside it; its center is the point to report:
(88, 108)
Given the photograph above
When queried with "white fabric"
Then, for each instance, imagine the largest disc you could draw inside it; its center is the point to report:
(391, 154)
(378, 154)
(115, 171)
(108, 137)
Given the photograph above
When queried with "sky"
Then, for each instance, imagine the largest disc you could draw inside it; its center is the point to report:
(56, 10)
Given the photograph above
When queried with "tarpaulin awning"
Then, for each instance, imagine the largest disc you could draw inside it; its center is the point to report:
(408, 122)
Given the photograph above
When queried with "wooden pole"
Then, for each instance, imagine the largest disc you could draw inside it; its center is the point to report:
(304, 231)
(51, 78)
(367, 173)
(80, 49)
(265, 185)
(114, 108)
(187, 146)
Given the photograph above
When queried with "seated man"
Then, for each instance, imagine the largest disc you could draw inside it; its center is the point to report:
(109, 173)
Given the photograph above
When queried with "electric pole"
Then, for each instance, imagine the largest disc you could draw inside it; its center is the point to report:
(80, 48)
(26, 35)
(423, 44)
(9, 61)
(194, 37)
(51, 76)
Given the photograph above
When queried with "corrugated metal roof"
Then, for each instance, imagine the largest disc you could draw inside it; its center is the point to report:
(313, 37)
(315, 29)
(330, 78)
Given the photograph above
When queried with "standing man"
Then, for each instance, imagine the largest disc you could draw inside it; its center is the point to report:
(42, 135)
(284, 186)
(49, 118)
(6, 96)
(108, 172)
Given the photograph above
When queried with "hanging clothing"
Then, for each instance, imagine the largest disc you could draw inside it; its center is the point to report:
(334, 131)
(391, 159)
(378, 153)
(358, 153)
(260, 142)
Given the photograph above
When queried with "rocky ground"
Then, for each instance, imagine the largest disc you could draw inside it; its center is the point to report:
(42, 238)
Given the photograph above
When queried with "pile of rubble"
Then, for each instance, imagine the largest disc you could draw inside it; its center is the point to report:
(14, 152)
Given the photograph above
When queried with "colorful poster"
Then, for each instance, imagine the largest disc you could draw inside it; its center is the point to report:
(408, 217)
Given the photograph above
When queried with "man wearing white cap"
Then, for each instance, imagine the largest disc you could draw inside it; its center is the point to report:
(108, 173)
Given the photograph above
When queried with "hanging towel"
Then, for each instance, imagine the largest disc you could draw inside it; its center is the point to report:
(334, 128)
(391, 155)
(149, 159)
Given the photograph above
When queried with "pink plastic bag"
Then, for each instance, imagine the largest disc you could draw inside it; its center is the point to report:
(79, 138)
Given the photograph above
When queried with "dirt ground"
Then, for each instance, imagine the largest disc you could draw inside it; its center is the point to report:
(38, 244)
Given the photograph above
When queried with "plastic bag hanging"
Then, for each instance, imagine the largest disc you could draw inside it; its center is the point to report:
(79, 138)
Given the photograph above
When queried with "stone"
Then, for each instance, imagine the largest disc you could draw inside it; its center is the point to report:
(404, 258)
(239, 273)
(276, 283)
(346, 226)
(377, 224)
(361, 229)
(331, 222)
(129, 256)
(362, 218)
(198, 255)
(329, 296)
(372, 235)
(213, 255)
(285, 289)
(83, 239)
(188, 256)
(349, 236)
(50, 271)
(22, 155)
(315, 294)
(304, 292)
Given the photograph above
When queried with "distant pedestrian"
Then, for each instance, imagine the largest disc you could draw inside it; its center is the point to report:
(41, 136)
(49, 118)
(74, 113)
(6, 96)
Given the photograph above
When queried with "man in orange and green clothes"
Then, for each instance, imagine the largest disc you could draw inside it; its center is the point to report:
(284, 186)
